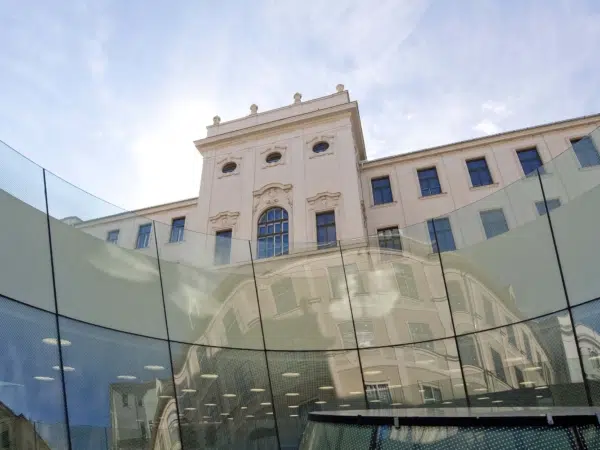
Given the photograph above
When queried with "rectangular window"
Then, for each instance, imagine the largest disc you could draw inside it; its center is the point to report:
(143, 237)
(379, 393)
(421, 332)
(431, 394)
(586, 151)
(284, 295)
(510, 333)
(112, 236)
(530, 161)
(443, 233)
(223, 247)
(326, 236)
(488, 311)
(498, 366)
(429, 181)
(389, 238)
(177, 227)
(553, 203)
(468, 351)
(494, 222)
(365, 334)
(125, 400)
(338, 281)
(456, 296)
(520, 377)
(405, 278)
(382, 190)
(479, 172)
(527, 346)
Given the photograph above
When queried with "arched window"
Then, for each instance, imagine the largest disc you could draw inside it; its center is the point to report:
(273, 233)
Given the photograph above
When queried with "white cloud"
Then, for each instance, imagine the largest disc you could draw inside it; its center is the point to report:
(487, 127)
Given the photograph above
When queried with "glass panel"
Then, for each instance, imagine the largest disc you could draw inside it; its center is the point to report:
(390, 289)
(425, 374)
(497, 276)
(587, 326)
(209, 302)
(224, 398)
(303, 299)
(26, 273)
(312, 381)
(575, 221)
(31, 398)
(99, 282)
(120, 382)
(542, 369)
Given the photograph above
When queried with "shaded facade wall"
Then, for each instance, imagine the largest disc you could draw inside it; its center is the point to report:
(108, 347)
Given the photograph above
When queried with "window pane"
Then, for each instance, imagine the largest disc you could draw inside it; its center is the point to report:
(552, 204)
(530, 161)
(382, 191)
(273, 224)
(586, 152)
(326, 234)
(430, 183)
(479, 172)
(494, 222)
(441, 236)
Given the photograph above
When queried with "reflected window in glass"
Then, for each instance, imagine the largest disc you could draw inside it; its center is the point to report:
(429, 181)
(273, 233)
(112, 236)
(494, 222)
(527, 345)
(405, 278)
(520, 377)
(431, 394)
(498, 366)
(421, 332)
(586, 151)
(223, 247)
(510, 333)
(442, 239)
(594, 359)
(177, 229)
(551, 203)
(125, 400)
(530, 161)
(468, 351)
(479, 172)
(232, 328)
(488, 310)
(382, 190)
(456, 296)
(5, 439)
(143, 237)
(379, 392)
(389, 238)
(326, 233)
(284, 295)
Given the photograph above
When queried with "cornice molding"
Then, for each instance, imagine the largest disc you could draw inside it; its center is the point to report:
(225, 219)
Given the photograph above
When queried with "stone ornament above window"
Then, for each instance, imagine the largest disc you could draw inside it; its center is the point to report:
(321, 145)
(269, 153)
(228, 166)
(324, 201)
(273, 194)
(224, 220)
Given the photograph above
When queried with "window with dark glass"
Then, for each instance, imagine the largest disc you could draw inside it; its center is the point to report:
(498, 366)
(421, 332)
(273, 157)
(542, 209)
(405, 278)
(284, 295)
(389, 238)
(479, 172)
(143, 237)
(494, 222)
(530, 161)
(125, 400)
(468, 351)
(112, 236)
(431, 394)
(586, 151)
(456, 296)
(429, 181)
(382, 190)
(273, 233)
(320, 147)
(223, 247)
(326, 235)
(442, 239)
(229, 167)
(527, 345)
(177, 229)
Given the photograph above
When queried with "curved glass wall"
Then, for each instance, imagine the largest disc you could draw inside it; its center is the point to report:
(149, 335)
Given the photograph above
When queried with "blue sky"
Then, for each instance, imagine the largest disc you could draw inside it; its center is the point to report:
(110, 94)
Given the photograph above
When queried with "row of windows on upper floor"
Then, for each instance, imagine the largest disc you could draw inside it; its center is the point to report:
(143, 237)
(584, 148)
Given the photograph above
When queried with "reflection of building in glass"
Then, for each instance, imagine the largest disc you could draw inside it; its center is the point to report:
(18, 433)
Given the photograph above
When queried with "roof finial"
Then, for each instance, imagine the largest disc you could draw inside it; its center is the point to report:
(339, 88)
(297, 97)
(216, 120)
(253, 108)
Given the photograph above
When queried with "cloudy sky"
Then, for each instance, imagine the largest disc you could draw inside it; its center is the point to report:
(110, 94)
